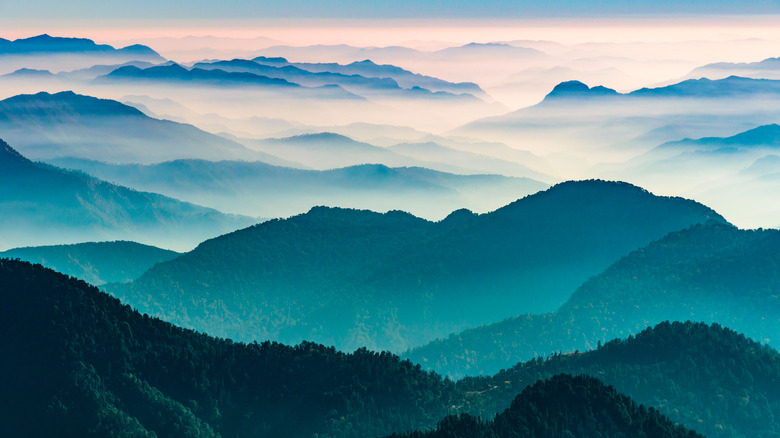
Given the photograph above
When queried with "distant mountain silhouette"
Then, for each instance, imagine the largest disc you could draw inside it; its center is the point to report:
(43, 204)
(47, 125)
(578, 90)
(48, 45)
(591, 120)
(369, 69)
(766, 69)
(259, 189)
(390, 281)
(175, 74)
(95, 262)
(328, 151)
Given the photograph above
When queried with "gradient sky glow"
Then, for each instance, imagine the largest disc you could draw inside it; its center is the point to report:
(199, 9)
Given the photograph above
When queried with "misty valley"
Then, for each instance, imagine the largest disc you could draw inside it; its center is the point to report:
(309, 229)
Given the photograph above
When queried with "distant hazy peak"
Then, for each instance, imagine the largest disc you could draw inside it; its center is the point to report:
(321, 136)
(48, 44)
(45, 101)
(577, 89)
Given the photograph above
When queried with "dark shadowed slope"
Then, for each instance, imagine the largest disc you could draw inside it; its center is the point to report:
(561, 407)
(705, 377)
(95, 262)
(77, 363)
(390, 281)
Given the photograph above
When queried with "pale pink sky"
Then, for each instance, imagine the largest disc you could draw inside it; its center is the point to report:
(392, 32)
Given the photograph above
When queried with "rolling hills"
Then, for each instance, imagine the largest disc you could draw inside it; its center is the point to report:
(391, 281)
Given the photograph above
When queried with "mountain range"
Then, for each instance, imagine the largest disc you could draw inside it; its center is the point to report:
(714, 273)
(45, 126)
(45, 52)
(390, 281)
(80, 363)
(44, 204)
(597, 123)
(260, 189)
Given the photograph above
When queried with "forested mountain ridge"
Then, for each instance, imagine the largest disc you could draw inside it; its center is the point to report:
(713, 273)
(95, 262)
(78, 363)
(705, 377)
(562, 407)
(389, 281)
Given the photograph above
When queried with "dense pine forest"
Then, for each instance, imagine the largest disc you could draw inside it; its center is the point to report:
(564, 407)
(91, 366)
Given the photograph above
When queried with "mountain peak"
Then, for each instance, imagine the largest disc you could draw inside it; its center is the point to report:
(577, 89)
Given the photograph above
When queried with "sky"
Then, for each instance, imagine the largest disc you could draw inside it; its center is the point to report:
(437, 9)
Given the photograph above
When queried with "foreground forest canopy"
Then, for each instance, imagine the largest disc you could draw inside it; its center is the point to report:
(91, 366)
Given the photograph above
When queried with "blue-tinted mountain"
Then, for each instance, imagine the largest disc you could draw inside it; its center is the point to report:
(564, 406)
(732, 86)
(597, 120)
(175, 74)
(260, 189)
(389, 281)
(29, 73)
(300, 76)
(369, 69)
(42, 204)
(714, 273)
(95, 262)
(47, 125)
(578, 90)
(48, 45)
(766, 136)
(766, 69)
